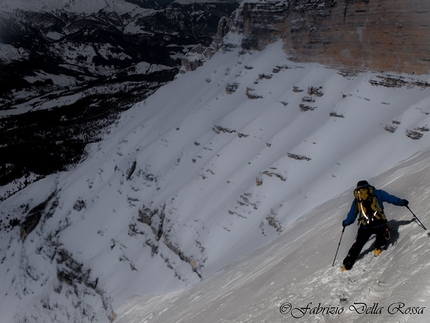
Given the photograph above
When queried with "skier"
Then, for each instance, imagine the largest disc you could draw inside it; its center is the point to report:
(368, 205)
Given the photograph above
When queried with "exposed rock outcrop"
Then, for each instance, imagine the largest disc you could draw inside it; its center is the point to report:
(199, 54)
(263, 23)
(46, 208)
(360, 34)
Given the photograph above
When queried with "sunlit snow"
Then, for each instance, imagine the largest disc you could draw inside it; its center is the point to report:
(246, 167)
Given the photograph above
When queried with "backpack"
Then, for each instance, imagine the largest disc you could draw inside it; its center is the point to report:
(369, 210)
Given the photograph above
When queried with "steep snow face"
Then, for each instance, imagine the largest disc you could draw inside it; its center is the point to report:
(292, 279)
(213, 166)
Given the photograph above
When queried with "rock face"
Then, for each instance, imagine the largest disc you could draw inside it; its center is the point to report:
(361, 34)
(199, 54)
(263, 23)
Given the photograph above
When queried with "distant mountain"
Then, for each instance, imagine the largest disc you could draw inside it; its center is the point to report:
(92, 59)
(83, 6)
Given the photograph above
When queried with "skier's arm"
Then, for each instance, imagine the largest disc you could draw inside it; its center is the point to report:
(385, 197)
(352, 214)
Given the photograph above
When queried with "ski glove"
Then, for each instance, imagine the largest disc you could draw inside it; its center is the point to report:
(344, 223)
(406, 202)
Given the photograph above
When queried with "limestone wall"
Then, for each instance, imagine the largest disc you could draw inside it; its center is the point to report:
(382, 35)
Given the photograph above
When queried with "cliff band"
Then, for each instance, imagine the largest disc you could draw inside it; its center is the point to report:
(362, 34)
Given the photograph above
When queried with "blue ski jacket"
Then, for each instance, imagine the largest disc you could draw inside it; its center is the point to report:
(382, 196)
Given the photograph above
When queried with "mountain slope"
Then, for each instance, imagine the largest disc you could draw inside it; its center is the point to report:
(292, 279)
(65, 75)
(211, 167)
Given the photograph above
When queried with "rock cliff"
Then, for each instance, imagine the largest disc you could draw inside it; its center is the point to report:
(361, 34)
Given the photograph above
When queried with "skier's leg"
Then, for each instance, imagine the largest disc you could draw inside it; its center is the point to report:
(380, 241)
(363, 236)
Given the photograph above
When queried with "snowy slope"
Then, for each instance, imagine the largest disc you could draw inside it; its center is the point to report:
(292, 278)
(196, 177)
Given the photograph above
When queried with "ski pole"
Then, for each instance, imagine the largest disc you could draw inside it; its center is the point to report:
(416, 218)
(343, 230)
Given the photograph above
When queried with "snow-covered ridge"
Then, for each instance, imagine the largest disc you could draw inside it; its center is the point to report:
(213, 166)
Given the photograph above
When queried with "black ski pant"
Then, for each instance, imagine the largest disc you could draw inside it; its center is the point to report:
(363, 236)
